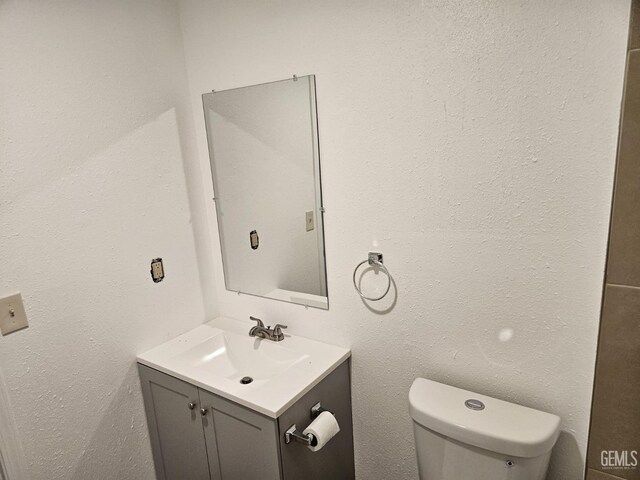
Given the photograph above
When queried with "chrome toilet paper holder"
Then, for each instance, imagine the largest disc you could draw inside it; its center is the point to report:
(292, 433)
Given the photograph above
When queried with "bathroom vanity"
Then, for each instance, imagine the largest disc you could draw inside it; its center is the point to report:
(230, 400)
(219, 404)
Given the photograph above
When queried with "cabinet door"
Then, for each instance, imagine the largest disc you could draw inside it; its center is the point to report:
(241, 444)
(175, 426)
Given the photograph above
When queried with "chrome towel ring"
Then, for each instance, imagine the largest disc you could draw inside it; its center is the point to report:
(374, 259)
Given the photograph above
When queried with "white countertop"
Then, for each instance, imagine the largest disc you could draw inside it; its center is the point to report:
(215, 355)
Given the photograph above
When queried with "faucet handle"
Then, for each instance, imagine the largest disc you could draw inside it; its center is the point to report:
(255, 319)
(277, 330)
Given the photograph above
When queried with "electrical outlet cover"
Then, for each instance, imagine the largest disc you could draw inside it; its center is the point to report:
(157, 270)
(12, 314)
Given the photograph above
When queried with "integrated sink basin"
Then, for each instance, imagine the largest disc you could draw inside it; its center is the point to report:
(260, 374)
(234, 356)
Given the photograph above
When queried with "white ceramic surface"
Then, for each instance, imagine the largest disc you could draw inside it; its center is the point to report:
(441, 458)
(500, 427)
(216, 355)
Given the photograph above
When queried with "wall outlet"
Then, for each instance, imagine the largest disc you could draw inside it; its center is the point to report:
(12, 314)
(309, 220)
(157, 270)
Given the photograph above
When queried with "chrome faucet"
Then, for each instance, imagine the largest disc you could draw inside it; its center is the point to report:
(261, 331)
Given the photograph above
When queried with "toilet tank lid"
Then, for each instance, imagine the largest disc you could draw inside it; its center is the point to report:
(482, 421)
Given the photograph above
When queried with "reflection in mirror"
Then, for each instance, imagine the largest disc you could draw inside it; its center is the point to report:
(265, 165)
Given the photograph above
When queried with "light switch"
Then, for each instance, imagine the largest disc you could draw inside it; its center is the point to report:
(309, 220)
(12, 314)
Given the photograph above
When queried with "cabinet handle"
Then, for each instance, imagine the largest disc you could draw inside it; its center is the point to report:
(203, 411)
(191, 405)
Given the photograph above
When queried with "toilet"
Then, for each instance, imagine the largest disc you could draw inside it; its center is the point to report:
(461, 435)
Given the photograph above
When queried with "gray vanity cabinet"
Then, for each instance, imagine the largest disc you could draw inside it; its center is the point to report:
(196, 435)
(248, 446)
(335, 460)
(173, 415)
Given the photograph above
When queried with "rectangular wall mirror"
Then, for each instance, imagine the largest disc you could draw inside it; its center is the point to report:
(265, 166)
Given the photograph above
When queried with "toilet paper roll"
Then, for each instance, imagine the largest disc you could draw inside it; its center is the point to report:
(323, 428)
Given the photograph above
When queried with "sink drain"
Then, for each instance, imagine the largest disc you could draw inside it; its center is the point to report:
(246, 380)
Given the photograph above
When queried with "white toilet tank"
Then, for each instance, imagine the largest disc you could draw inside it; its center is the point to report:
(461, 435)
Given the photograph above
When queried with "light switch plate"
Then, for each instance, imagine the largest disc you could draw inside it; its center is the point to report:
(12, 314)
(309, 220)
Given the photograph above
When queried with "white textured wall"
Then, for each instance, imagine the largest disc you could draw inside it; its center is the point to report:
(94, 128)
(12, 459)
(473, 143)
